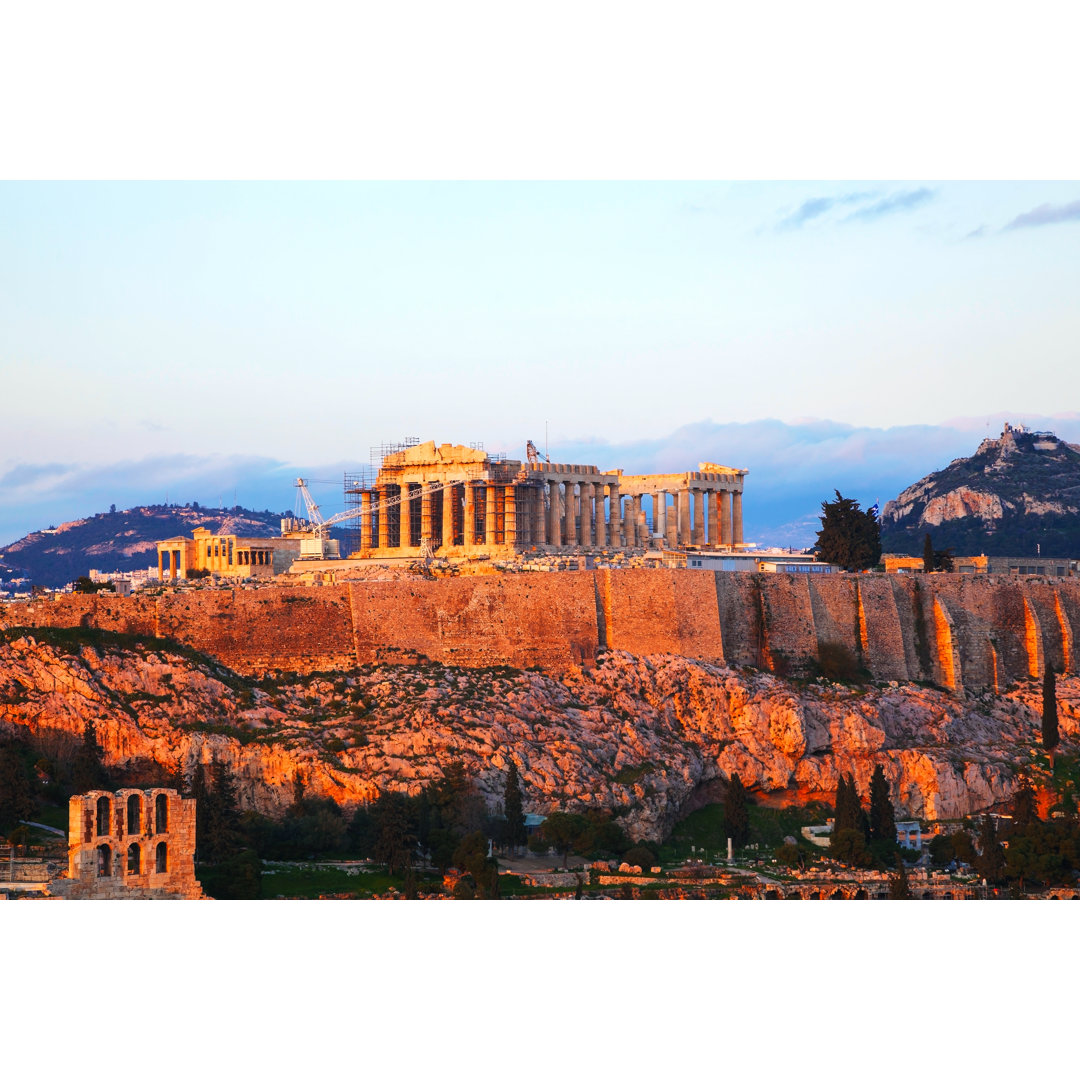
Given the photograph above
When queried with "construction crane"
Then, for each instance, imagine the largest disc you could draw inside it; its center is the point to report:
(316, 543)
(533, 454)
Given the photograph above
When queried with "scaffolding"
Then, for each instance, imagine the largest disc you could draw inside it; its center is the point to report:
(355, 484)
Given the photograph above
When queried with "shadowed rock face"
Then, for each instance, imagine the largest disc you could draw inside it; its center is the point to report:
(641, 735)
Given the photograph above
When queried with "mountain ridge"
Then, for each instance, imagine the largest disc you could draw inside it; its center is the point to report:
(1018, 494)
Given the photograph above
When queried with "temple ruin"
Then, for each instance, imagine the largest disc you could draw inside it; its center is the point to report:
(460, 502)
(131, 844)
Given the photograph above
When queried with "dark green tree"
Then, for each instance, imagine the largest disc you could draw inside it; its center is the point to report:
(736, 812)
(561, 831)
(899, 889)
(16, 798)
(395, 831)
(849, 536)
(88, 772)
(846, 811)
(516, 835)
(1050, 736)
(943, 560)
(1024, 802)
(927, 554)
(990, 862)
(882, 817)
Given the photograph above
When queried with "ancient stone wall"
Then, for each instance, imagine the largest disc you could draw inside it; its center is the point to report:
(130, 844)
(957, 631)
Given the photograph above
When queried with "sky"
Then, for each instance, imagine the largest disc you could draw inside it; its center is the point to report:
(212, 341)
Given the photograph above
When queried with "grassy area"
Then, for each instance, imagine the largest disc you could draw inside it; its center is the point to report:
(702, 835)
(309, 883)
(56, 816)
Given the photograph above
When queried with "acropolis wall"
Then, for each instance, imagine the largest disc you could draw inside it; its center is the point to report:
(958, 631)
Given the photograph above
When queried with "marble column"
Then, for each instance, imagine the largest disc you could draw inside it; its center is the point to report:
(615, 528)
(683, 497)
(160, 565)
(427, 531)
(469, 529)
(365, 520)
(510, 516)
(635, 534)
(714, 519)
(172, 565)
(599, 532)
(569, 515)
(384, 519)
(699, 517)
(725, 517)
(554, 532)
(736, 515)
(540, 535)
(660, 513)
(405, 517)
(448, 496)
(489, 515)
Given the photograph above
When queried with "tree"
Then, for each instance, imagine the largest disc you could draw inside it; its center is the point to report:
(516, 835)
(88, 771)
(990, 862)
(882, 817)
(561, 830)
(395, 836)
(1024, 802)
(736, 814)
(846, 811)
(943, 560)
(1050, 736)
(849, 536)
(927, 554)
(16, 800)
(899, 889)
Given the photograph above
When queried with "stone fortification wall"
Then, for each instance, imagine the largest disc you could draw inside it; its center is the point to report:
(959, 632)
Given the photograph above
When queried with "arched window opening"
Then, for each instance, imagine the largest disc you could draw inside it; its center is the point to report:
(103, 815)
(161, 859)
(134, 815)
(104, 860)
(161, 814)
(134, 859)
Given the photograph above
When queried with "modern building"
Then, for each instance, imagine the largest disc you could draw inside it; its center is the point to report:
(988, 564)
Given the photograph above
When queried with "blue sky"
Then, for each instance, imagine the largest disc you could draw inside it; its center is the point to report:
(203, 340)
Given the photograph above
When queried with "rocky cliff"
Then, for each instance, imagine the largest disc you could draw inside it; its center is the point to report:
(646, 736)
(1013, 493)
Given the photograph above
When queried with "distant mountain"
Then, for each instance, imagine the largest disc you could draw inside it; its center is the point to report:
(1016, 495)
(121, 540)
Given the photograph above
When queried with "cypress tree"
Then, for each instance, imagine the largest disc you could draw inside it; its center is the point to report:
(882, 817)
(512, 805)
(736, 814)
(88, 770)
(1050, 736)
(927, 554)
(990, 862)
(845, 815)
(899, 889)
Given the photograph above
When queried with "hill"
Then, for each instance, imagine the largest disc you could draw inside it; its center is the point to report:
(120, 540)
(1016, 495)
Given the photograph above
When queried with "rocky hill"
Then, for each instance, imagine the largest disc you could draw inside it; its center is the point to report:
(1013, 493)
(120, 540)
(649, 737)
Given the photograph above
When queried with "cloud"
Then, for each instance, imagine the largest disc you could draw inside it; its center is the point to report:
(1046, 215)
(815, 208)
(24, 476)
(976, 233)
(892, 204)
(793, 468)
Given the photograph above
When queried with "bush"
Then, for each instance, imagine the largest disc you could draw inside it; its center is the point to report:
(790, 855)
(640, 855)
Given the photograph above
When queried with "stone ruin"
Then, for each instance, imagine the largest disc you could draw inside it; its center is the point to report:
(130, 844)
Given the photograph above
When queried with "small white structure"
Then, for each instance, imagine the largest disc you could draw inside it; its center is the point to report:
(909, 835)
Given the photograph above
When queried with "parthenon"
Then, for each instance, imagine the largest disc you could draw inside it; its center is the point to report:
(455, 501)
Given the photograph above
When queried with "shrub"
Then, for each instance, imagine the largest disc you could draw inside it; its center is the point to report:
(640, 855)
